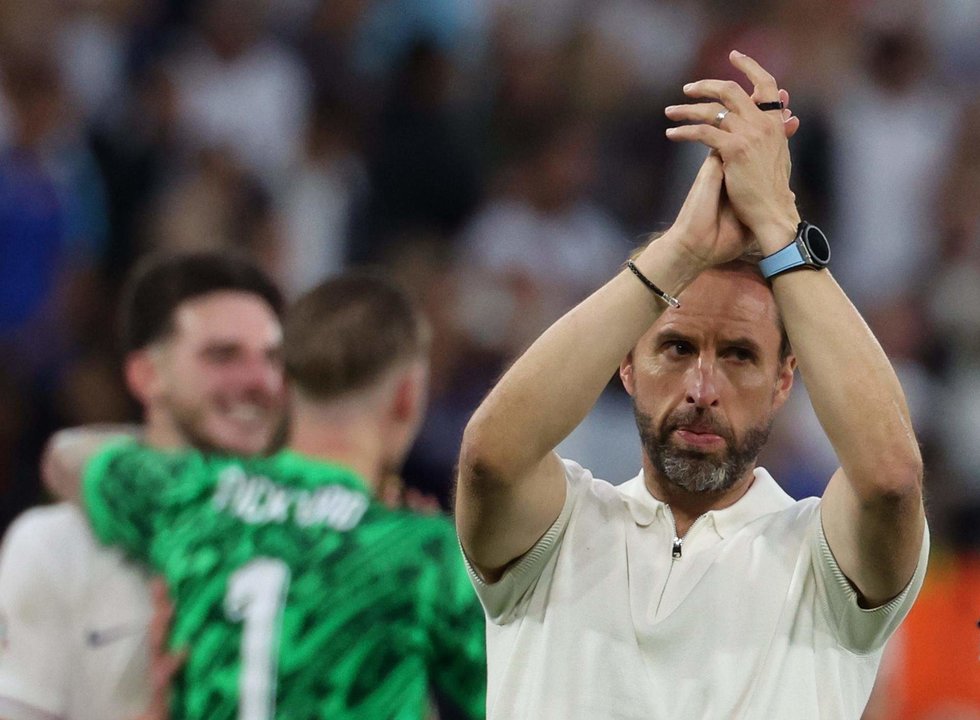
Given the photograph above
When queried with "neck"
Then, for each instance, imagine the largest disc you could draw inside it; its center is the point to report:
(160, 431)
(343, 434)
(687, 506)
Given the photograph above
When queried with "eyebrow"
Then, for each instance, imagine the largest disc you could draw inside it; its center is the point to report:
(668, 335)
(229, 344)
(743, 341)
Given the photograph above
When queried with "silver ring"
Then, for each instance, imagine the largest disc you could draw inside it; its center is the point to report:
(719, 117)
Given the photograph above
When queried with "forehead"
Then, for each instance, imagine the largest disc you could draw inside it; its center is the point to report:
(724, 304)
(227, 316)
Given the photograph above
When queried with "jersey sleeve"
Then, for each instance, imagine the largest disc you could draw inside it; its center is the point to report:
(862, 630)
(458, 662)
(502, 599)
(129, 492)
(34, 623)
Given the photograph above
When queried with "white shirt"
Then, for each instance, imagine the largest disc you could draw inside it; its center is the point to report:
(73, 620)
(750, 617)
(256, 104)
(576, 249)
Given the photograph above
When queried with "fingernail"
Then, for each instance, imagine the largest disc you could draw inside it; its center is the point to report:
(671, 131)
(787, 114)
(688, 86)
(736, 53)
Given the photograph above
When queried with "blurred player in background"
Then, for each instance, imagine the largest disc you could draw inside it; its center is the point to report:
(202, 340)
(298, 593)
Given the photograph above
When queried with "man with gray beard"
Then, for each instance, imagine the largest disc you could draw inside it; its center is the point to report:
(698, 589)
(691, 469)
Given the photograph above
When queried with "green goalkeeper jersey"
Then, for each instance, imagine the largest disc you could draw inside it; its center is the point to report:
(298, 595)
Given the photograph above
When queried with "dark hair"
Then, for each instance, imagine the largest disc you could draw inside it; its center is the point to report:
(161, 282)
(345, 333)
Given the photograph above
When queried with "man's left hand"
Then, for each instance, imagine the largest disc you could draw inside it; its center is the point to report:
(752, 144)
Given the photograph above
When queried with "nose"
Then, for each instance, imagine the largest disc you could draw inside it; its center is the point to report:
(702, 390)
(261, 374)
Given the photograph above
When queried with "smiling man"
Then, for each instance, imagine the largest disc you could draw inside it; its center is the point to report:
(297, 592)
(698, 589)
(202, 339)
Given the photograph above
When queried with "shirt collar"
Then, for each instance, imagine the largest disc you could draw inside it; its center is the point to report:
(763, 497)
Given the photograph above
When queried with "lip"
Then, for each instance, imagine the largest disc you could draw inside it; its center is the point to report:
(698, 438)
(245, 417)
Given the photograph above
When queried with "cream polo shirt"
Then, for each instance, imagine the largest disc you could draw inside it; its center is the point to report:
(73, 623)
(607, 616)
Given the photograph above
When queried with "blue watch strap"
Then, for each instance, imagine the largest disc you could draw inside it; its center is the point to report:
(782, 260)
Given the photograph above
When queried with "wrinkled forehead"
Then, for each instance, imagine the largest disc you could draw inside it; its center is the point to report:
(732, 300)
(227, 317)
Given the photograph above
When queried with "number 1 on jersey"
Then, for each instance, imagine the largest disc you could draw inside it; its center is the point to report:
(255, 597)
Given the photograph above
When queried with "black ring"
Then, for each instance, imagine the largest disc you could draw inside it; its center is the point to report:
(774, 105)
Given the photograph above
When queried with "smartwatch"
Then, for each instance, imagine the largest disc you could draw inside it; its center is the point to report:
(809, 250)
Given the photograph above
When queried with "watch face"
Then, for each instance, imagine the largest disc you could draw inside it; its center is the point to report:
(817, 245)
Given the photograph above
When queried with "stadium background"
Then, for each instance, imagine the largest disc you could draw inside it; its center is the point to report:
(501, 157)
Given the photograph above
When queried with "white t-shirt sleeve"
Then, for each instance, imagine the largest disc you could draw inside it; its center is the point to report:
(502, 599)
(862, 630)
(34, 623)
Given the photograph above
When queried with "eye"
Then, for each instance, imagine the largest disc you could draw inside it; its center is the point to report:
(741, 354)
(678, 348)
(221, 353)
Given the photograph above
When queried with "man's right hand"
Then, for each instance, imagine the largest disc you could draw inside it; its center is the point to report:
(706, 228)
(164, 663)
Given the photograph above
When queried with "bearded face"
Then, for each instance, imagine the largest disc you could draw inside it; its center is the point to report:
(707, 379)
(220, 383)
(694, 468)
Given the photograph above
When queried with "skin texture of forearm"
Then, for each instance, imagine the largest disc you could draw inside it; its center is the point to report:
(855, 392)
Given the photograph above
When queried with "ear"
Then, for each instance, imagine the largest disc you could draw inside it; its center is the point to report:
(411, 394)
(142, 376)
(784, 381)
(626, 373)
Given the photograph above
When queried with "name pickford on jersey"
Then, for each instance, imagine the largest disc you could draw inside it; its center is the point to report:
(258, 500)
(296, 594)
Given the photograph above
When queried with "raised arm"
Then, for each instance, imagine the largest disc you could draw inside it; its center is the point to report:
(872, 509)
(511, 484)
(69, 450)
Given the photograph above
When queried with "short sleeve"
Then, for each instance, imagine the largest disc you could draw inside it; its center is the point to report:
(862, 630)
(34, 622)
(129, 490)
(500, 599)
(458, 665)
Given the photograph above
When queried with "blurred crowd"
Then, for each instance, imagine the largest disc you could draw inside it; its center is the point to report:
(500, 157)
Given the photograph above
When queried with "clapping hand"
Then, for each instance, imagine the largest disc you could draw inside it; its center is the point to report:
(751, 142)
